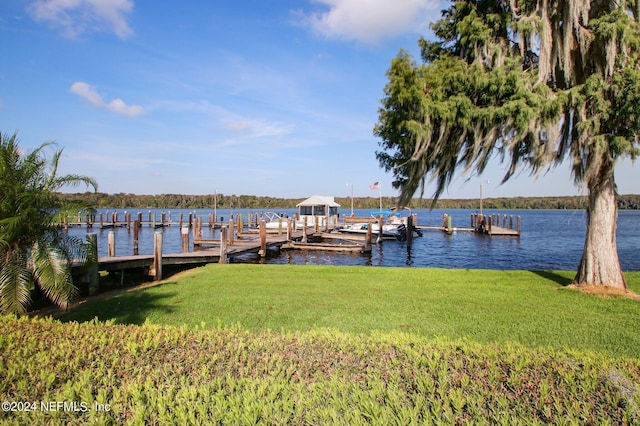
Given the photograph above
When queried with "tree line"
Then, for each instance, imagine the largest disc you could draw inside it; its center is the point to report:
(223, 201)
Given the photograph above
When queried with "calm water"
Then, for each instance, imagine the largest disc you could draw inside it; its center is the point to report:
(550, 239)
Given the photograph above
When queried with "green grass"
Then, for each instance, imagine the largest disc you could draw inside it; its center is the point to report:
(532, 308)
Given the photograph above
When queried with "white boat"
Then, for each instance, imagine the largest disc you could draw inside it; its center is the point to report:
(393, 226)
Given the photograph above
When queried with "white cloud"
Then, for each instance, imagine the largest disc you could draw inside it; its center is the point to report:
(259, 128)
(370, 21)
(76, 17)
(117, 105)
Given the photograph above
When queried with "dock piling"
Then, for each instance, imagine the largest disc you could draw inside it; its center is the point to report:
(157, 256)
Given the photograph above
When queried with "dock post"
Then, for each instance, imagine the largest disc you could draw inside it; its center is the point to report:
(317, 218)
(111, 241)
(304, 230)
(239, 225)
(263, 238)
(100, 220)
(511, 222)
(184, 232)
(289, 231)
(223, 245)
(280, 225)
(519, 223)
(367, 243)
(409, 229)
(180, 220)
(231, 231)
(94, 277)
(157, 256)
(136, 230)
(380, 223)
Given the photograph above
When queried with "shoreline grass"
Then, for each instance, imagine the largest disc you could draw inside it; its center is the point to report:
(534, 309)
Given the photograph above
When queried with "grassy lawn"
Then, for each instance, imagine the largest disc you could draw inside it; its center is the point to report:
(532, 308)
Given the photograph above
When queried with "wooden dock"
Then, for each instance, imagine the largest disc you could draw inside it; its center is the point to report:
(483, 224)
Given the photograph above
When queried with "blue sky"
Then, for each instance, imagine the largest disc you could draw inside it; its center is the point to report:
(272, 98)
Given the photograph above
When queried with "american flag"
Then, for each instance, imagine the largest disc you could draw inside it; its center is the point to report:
(374, 185)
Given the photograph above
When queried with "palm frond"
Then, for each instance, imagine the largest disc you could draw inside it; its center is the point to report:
(16, 282)
(52, 273)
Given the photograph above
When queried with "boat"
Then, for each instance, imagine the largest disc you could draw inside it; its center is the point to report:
(393, 227)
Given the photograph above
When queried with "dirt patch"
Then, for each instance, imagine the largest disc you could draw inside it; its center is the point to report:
(604, 291)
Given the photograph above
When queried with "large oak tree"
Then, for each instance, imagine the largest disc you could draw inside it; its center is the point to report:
(535, 83)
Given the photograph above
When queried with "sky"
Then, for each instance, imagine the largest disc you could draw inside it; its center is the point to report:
(249, 97)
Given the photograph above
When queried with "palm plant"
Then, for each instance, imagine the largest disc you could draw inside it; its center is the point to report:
(34, 252)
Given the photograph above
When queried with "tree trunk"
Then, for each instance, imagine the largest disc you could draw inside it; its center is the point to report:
(600, 265)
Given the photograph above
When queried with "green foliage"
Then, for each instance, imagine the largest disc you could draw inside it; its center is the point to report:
(532, 308)
(531, 83)
(231, 376)
(34, 254)
(628, 201)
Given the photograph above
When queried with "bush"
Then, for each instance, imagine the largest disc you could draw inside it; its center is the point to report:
(166, 375)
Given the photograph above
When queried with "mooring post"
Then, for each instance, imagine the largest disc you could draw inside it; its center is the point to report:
(409, 229)
(449, 224)
(368, 239)
(263, 238)
(94, 277)
(280, 225)
(304, 230)
(239, 226)
(231, 231)
(136, 230)
(519, 225)
(111, 244)
(184, 232)
(380, 224)
(289, 231)
(223, 245)
(157, 255)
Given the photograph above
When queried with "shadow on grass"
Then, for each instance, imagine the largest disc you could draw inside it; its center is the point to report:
(559, 279)
(126, 308)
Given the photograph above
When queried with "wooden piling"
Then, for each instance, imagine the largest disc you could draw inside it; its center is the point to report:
(380, 223)
(223, 245)
(136, 230)
(304, 230)
(409, 229)
(367, 244)
(94, 277)
(184, 232)
(263, 238)
(157, 256)
(111, 244)
(231, 231)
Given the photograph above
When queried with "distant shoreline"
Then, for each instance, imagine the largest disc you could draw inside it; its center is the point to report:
(225, 201)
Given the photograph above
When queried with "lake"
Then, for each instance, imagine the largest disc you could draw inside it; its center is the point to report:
(550, 240)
